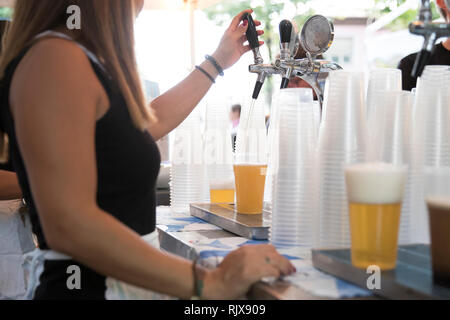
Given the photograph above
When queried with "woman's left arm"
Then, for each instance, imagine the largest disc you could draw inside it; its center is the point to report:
(171, 108)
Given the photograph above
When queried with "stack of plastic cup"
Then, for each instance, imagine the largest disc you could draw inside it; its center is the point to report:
(431, 136)
(342, 141)
(219, 151)
(383, 79)
(187, 174)
(272, 140)
(295, 183)
(392, 143)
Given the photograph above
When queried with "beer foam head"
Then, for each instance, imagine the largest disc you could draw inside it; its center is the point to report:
(375, 183)
(439, 202)
(226, 184)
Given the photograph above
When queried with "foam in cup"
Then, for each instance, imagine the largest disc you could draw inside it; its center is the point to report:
(437, 201)
(376, 183)
(226, 184)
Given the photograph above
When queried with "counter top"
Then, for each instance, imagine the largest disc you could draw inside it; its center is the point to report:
(191, 238)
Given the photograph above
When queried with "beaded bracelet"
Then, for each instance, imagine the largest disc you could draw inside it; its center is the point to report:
(215, 64)
(205, 73)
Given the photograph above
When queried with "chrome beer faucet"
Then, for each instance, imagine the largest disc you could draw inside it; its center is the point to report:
(316, 37)
(424, 27)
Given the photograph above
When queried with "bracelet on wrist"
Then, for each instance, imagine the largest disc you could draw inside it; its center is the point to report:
(205, 73)
(215, 64)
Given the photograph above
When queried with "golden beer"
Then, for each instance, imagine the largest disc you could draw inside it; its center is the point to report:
(375, 193)
(222, 196)
(368, 246)
(250, 182)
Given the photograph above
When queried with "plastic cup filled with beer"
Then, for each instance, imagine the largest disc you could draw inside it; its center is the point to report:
(375, 193)
(221, 191)
(250, 160)
(250, 183)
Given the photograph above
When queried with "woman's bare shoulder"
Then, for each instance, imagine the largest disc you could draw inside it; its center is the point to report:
(54, 65)
(54, 54)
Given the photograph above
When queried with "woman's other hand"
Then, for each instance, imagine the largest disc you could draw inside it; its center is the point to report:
(231, 47)
(242, 268)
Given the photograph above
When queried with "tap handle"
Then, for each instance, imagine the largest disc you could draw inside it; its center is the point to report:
(284, 83)
(252, 35)
(285, 31)
(257, 90)
(422, 59)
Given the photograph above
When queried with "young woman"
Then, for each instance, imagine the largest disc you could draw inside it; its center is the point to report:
(82, 142)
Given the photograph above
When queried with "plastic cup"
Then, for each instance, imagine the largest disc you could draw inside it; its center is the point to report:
(375, 193)
(383, 79)
(250, 164)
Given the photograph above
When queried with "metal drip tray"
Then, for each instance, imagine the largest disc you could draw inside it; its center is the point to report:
(254, 227)
(412, 278)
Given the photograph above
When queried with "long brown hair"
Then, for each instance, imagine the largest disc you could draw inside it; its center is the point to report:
(107, 29)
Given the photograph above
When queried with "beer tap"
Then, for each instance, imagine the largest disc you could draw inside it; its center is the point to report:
(430, 31)
(286, 30)
(259, 67)
(316, 37)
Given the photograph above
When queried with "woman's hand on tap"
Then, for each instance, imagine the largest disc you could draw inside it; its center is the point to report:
(231, 47)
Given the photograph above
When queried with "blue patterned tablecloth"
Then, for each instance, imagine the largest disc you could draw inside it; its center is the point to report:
(189, 230)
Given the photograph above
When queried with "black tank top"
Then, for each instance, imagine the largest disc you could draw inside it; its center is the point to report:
(128, 159)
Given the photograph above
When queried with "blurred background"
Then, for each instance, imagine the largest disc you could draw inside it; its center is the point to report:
(368, 34)
(172, 36)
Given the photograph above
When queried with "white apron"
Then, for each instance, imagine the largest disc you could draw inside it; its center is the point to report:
(15, 240)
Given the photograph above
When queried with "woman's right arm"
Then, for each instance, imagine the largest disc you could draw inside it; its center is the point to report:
(56, 100)
(9, 186)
